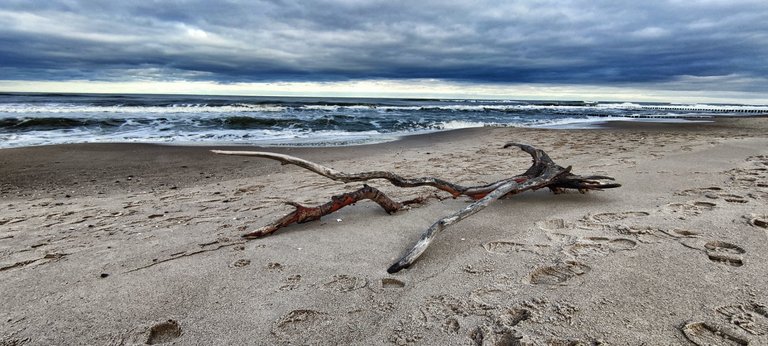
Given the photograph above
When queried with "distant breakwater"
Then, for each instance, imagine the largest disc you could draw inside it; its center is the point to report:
(720, 109)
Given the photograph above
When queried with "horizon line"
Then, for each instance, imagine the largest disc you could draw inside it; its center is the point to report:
(391, 89)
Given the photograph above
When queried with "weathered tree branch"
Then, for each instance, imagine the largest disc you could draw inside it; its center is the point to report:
(543, 173)
(510, 187)
(304, 214)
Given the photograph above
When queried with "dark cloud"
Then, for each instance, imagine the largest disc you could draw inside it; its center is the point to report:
(589, 42)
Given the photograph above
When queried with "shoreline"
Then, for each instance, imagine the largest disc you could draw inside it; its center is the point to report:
(57, 168)
(110, 243)
(603, 123)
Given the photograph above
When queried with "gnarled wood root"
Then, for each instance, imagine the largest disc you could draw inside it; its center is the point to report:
(542, 173)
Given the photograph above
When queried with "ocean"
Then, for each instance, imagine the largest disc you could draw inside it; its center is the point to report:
(31, 119)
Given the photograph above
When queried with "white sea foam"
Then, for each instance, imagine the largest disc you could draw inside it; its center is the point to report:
(460, 124)
(31, 109)
(573, 123)
(593, 122)
(623, 105)
(285, 136)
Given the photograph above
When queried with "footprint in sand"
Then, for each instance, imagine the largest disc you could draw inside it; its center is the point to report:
(713, 192)
(731, 198)
(754, 176)
(553, 225)
(484, 324)
(508, 247)
(291, 283)
(613, 217)
(751, 317)
(759, 195)
(684, 233)
(483, 266)
(570, 342)
(599, 246)
(240, 263)
(392, 283)
(709, 192)
(153, 333)
(512, 317)
(758, 220)
(558, 230)
(758, 160)
(345, 283)
(11, 341)
(676, 233)
(248, 189)
(692, 208)
(705, 334)
(557, 274)
(163, 332)
(493, 335)
(743, 178)
(646, 234)
(492, 296)
(726, 253)
(300, 327)
(451, 326)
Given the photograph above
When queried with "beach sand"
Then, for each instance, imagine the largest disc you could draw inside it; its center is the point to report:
(131, 244)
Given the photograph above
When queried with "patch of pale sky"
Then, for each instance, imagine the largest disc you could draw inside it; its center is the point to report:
(417, 88)
(60, 25)
(651, 32)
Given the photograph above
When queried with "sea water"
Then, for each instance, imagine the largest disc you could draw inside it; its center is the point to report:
(29, 119)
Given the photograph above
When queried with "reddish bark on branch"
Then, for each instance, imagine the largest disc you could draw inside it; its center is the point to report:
(304, 214)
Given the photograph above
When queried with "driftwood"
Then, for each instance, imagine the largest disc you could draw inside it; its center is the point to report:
(542, 173)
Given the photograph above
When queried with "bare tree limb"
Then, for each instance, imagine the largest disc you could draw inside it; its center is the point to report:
(543, 172)
(304, 214)
(510, 187)
(454, 189)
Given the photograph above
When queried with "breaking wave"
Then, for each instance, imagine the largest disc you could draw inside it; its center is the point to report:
(37, 119)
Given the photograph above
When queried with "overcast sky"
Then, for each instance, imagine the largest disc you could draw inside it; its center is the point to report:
(702, 50)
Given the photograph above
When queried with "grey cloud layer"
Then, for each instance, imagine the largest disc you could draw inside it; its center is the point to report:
(595, 42)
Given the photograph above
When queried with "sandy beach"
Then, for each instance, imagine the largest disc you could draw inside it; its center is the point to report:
(123, 244)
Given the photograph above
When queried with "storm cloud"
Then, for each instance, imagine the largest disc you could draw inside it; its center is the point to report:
(681, 43)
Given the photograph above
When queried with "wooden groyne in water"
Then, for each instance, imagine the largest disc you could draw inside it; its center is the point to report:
(752, 110)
